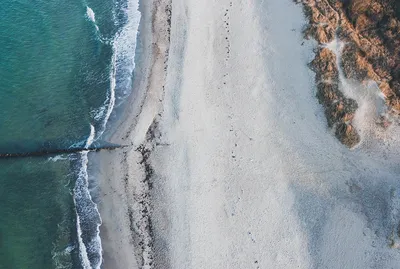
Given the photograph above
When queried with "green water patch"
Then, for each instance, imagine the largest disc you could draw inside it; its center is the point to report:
(54, 79)
(37, 213)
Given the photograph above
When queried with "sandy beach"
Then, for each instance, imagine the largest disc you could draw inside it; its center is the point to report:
(232, 164)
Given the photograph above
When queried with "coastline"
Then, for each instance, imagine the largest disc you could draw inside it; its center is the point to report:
(124, 195)
(222, 171)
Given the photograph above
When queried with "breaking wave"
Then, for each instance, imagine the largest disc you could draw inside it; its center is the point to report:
(123, 44)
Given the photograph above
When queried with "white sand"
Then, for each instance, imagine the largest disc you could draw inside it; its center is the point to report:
(246, 172)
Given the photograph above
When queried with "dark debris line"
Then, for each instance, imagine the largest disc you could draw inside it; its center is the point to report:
(45, 152)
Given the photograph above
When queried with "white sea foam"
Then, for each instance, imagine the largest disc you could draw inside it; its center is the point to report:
(91, 136)
(57, 158)
(82, 248)
(91, 16)
(87, 214)
(122, 63)
(111, 94)
(87, 144)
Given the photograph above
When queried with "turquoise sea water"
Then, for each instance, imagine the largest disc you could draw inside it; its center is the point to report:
(63, 65)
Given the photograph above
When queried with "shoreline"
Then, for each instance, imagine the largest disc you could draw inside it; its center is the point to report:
(124, 203)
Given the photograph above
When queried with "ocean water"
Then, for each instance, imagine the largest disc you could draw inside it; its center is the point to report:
(64, 66)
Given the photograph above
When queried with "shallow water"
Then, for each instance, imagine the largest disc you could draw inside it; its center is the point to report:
(59, 75)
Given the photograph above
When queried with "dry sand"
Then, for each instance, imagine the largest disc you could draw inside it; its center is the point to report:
(239, 169)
